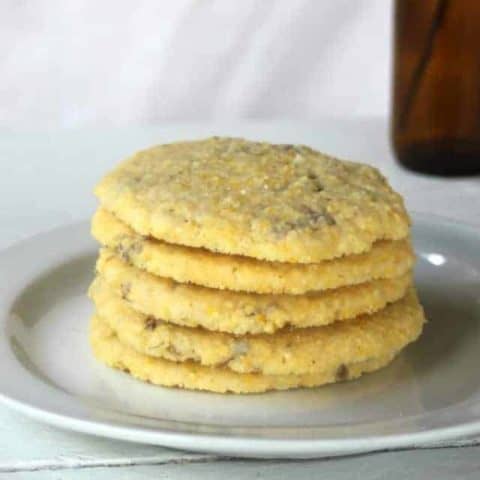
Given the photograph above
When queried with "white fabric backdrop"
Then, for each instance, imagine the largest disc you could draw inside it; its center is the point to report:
(78, 63)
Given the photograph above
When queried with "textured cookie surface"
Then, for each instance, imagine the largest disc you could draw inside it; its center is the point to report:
(238, 312)
(386, 259)
(275, 202)
(108, 349)
(286, 352)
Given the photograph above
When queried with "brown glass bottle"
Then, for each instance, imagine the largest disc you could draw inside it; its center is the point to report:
(436, 93)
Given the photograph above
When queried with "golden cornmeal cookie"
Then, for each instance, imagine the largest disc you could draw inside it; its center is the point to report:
(286, 352)
(108, 349)
(386, 259)
(285, 203)
(238, 312)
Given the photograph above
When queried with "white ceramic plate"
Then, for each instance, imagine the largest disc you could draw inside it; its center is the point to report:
(430, 393)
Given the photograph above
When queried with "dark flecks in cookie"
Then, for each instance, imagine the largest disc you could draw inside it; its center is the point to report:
(281, 228)
(123, 253)
(239, 349)
(316, 217)
(150, 323)
(342, 373)
(127, 250)
(286, 147)
(312, 218)
(249, 311)
(317, 185)
(223, 364)
(172, 350)
(329, 219)
(125, 288)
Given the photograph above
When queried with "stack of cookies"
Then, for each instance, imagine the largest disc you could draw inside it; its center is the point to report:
(237, 266)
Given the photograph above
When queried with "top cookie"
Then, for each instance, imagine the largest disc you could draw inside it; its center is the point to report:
(284, 203)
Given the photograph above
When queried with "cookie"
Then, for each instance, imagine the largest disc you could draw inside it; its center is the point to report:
(287, 352)
(286, 203)
(386, 259)
(190, 375)
(238, 312)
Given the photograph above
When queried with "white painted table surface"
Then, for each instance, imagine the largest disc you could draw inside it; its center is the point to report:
(46, 181)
